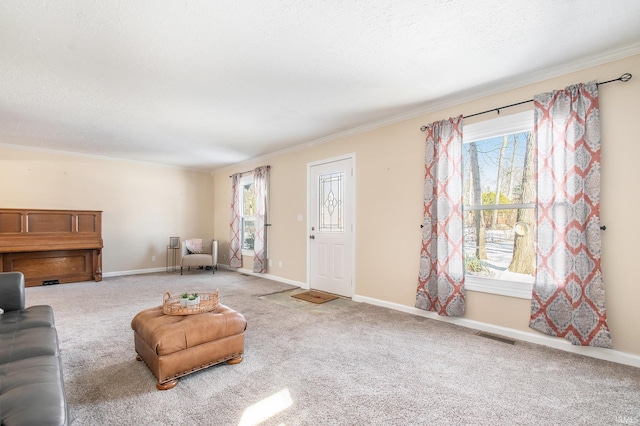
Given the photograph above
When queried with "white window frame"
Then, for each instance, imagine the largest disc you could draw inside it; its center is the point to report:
(244, 181)
(514, 123)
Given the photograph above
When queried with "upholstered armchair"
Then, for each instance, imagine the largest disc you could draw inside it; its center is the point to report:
(199, 252)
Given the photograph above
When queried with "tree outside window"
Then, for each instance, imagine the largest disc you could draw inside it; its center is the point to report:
(248, 215)
(499, 213)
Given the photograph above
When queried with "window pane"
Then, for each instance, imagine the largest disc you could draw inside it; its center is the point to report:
(248, 232)
(489, 251)
(499, 243)
(248, 200)
(500, 162)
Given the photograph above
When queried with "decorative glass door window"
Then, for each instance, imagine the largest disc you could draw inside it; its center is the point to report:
(331, 202)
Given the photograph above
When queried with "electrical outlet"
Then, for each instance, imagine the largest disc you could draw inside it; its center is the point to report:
(279, 263)
(153, 258)
(270, 262)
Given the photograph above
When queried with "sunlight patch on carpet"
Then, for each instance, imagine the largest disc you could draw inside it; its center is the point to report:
(266, 408)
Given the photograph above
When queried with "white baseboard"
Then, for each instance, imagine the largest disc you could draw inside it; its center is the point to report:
(267, 276)
(525, 336)
(531, 337)
(133, 272)
(220, 265)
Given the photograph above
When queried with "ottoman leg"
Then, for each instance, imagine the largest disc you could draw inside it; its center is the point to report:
(235, 360)
(167, 385)
(161, 386)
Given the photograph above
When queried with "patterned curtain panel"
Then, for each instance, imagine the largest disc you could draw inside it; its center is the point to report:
(261, 185)
(568, 293)
(441, 276)
(235, 247)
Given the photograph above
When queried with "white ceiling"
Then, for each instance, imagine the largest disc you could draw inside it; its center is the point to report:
(208, 83)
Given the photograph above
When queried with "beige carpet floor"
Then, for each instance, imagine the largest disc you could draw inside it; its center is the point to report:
(339, 363)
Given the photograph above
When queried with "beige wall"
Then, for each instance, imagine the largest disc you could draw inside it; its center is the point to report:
(389, 170)
(143, 204)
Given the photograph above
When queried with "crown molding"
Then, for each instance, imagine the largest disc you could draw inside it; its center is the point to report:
(451, 101)
(98, 157)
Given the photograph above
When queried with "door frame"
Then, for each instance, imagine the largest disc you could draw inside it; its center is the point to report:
(351, 192)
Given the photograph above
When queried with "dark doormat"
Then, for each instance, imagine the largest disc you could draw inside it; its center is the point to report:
(314, 296)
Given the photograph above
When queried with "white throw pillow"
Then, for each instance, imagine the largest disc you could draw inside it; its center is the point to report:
(194, 245)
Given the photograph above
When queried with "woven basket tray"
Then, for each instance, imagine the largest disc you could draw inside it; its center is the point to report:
(171, 305)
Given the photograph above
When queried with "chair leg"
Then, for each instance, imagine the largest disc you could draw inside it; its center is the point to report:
(181, 270)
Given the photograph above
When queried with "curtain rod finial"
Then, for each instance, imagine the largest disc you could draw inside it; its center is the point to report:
(624, 78)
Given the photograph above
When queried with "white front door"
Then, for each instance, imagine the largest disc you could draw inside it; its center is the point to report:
(331, 226)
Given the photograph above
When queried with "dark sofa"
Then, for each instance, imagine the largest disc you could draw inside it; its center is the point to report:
(31, 385)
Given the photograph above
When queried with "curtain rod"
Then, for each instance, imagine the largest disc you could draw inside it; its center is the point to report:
(248, 171)
(624, 78)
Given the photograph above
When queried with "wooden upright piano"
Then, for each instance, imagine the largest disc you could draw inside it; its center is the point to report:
(51, 246)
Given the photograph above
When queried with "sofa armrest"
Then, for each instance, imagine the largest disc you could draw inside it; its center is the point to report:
(11, 291)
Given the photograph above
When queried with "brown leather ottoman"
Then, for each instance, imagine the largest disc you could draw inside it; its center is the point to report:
(173, 346)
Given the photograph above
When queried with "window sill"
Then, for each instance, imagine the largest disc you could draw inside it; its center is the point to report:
(520, 290)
